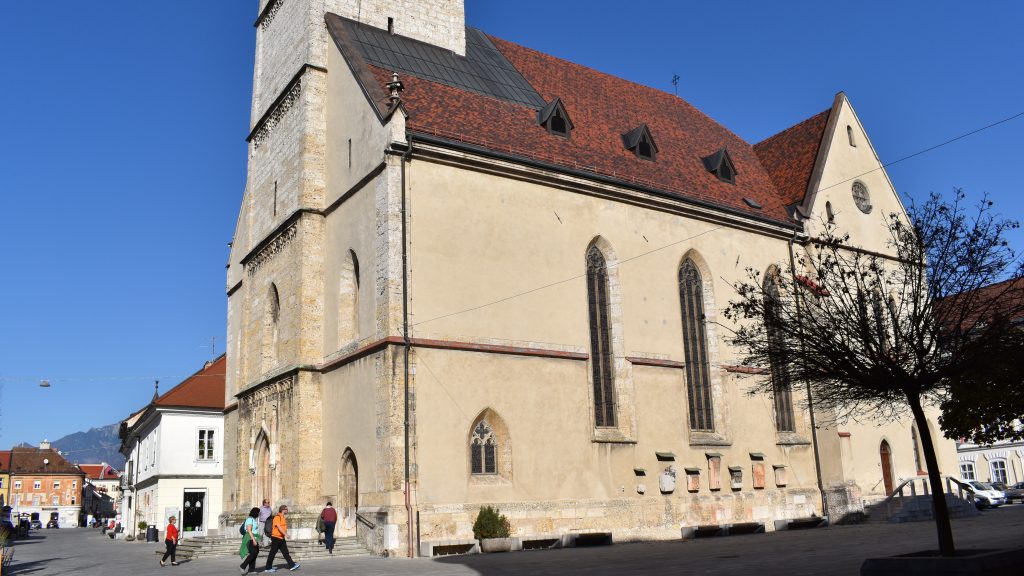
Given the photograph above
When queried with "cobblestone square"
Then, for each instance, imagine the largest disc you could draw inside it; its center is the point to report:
(838, 550)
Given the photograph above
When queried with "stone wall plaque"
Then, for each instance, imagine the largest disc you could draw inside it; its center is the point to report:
(736, 477)
(780, 475)
(714, 470)
(757, 473)
(693, 479)
(667, 480)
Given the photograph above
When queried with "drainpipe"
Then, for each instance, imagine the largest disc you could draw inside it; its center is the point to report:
(810, 398)
(405, 353)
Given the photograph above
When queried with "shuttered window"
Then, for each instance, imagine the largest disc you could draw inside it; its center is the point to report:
(601, 359)
(781, 388)
(698, 386)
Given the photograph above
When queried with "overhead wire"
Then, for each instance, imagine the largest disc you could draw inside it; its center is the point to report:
(578, 276)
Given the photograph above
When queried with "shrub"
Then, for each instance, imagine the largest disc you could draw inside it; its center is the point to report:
(143, 525)
(490, 524)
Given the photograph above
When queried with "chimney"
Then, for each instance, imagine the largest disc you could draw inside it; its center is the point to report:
(44, 445)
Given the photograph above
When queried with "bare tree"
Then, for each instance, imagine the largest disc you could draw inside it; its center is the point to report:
(877, 335)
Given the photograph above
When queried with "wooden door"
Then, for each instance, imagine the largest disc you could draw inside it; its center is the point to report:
(886, 456)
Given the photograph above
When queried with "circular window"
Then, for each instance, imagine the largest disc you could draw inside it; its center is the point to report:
(860, 197)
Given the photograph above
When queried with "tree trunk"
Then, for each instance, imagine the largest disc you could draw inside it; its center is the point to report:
(942, 523)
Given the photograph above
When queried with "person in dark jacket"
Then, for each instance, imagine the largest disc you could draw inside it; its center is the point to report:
(330, 519)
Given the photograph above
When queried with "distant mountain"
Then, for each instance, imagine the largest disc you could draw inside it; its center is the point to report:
(92, 447)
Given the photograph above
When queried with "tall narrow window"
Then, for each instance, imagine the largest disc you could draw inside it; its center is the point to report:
(270, 329)
(601, 359)
(348, 300)
(849, 135)
(698, 385)
(917, 454)
(781, 388)
(482, 450)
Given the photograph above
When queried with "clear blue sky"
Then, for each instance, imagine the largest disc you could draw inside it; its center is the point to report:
(122, 156)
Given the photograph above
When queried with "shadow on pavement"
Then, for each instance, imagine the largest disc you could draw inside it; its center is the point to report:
(28, 567)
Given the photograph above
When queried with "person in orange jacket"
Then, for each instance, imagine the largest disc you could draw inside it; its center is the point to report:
(278, 541)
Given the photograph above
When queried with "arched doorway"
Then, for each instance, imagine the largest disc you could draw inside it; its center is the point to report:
(885, 455)
(348, 492)
(261, 486)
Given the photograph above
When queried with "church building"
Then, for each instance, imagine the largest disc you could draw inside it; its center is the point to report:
(468, 273)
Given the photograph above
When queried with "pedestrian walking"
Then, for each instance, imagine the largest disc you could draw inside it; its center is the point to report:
(250, 542)
(265, 513)
(329, 516)
(278, 541)
(171, 541)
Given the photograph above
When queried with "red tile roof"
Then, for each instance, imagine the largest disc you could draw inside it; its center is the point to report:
(99, 471)
(789, 156)
(602, 109)
(204, 389)
(31, 461)
(1005, 299)
(5, 460)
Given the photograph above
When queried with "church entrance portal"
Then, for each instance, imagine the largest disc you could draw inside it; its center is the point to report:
(886, 456)
(348, 494)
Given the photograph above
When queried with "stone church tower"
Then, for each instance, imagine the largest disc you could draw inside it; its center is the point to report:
(298, 246)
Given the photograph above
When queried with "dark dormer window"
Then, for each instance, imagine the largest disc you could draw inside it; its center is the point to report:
(720, 164)
(640, 142)
(555, 119)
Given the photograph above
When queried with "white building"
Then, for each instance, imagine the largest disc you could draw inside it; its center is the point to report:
(174, 451)
(999, 462)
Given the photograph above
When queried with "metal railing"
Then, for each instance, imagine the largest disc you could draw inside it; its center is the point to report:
(909, 489)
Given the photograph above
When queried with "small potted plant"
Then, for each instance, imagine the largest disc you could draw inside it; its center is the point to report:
(492, 530)
(142, 530)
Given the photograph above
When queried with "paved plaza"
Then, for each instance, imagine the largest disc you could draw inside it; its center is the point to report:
(838, 550)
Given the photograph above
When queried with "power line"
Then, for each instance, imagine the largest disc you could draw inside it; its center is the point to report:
(929, 149)
(563, 281)
(532, 290)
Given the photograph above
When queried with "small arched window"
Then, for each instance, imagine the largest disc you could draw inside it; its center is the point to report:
(695, 349)
(601, 357)
(781, 388)
(829, 213)
(483, 450)
(849, 135)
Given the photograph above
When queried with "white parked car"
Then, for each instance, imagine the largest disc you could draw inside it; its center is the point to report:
(985, 495)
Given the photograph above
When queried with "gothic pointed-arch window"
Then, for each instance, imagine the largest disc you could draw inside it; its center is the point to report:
(271, 323)
(348, 300)
(601, 357)
(695, 349)
(781, 387)
(483, 450)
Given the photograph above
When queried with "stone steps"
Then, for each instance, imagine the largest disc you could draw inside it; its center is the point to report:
(299, 549)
